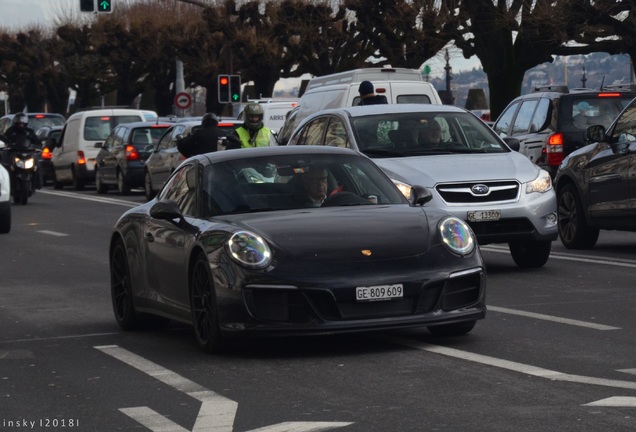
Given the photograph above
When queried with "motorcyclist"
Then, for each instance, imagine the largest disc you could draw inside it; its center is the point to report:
(202, 140)
(21, 137)
(253, 132)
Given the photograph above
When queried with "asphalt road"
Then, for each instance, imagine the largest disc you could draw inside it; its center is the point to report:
(556, 351)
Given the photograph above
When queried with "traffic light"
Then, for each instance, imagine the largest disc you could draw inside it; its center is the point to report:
(224, 88)
(104, 6)
(87, 5)
(235, 88)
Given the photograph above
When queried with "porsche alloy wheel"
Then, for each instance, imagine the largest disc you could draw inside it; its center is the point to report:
(121, 289)
(204, 308)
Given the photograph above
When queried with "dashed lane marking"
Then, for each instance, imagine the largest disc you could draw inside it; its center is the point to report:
(552, 318)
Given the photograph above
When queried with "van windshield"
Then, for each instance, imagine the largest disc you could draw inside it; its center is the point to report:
(99, 127)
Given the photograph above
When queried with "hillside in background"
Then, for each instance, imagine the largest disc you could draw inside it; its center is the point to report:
(600, 69)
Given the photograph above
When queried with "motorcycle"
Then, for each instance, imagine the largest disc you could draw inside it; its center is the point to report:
(20, 160)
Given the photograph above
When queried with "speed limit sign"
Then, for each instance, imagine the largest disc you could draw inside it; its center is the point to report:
(183, 100)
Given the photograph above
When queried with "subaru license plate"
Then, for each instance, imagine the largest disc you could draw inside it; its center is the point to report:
(484, 215)
(379, 292)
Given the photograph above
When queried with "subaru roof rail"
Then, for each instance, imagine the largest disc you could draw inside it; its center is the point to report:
(93, 108)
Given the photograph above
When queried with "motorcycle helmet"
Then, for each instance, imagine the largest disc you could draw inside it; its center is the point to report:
(253, 116)
(20, 120)
(209, 119)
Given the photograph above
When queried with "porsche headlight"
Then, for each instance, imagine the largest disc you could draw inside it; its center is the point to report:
(249, 249)
(541, 184)
(456, 235)
(405, 188)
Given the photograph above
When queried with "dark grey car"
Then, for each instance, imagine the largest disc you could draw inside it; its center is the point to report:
(595, 185)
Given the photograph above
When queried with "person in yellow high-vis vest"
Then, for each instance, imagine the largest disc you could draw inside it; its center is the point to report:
(252, 132)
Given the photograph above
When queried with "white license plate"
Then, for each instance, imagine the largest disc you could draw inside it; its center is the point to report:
(484, 215)
(379, 292)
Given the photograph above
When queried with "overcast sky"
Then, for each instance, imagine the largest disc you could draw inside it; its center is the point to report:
(17, 14)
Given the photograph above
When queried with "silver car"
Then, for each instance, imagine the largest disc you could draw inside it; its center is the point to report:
(468, 169)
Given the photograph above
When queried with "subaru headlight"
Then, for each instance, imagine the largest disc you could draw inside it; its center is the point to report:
(405, 188)
(24, 164)
(249, 250)
(541, 184)
(456, 235)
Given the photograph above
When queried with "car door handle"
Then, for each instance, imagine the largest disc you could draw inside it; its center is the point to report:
(149, 237)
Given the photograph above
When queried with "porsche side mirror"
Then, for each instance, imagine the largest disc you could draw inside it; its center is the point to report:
(166, 210)
(420, 195)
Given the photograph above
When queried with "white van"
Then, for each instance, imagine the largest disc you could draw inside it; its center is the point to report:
(73, 158)
(339, 90)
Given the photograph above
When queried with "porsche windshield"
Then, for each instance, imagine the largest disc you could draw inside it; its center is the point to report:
(404, 134)
(288, 182)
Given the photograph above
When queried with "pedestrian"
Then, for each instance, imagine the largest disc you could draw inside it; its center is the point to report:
(203, 140)
(368, 96)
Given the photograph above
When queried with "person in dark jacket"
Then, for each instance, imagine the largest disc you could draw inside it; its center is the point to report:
(368, 96)
(203, 140)
(20, 136)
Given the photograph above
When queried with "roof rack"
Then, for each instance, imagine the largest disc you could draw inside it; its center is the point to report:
(558, 88)
(631, 87)
(94, 108)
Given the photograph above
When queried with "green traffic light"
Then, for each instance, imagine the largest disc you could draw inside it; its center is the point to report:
(236, 97)
(104, 5)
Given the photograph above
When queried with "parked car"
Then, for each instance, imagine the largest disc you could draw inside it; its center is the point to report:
(165, 157)
(550, 122)
(36, 120)
(121, 158)
(5, 201)
(471, 173)
(74, 156)
(595, 185)
(253, 261)
(49, 137)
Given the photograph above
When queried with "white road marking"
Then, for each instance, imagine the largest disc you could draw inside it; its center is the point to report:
(53, 233)
(629, 371)
(152, 419)
(615, 401)
(617, 262)
(552, 318)
(301, 427)
(91, 198)
(216, 414)
(514, 366)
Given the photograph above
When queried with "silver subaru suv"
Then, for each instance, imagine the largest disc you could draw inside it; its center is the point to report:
(466, 167)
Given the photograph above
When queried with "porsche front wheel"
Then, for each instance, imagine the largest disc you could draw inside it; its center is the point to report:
(204, 307)
(121, 288)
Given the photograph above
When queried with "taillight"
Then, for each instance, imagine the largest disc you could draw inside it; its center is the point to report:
(131, 153)
(46, 153)
(554, 150)
(81, 159)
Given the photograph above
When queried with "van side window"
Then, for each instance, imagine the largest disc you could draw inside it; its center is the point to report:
(415, 98)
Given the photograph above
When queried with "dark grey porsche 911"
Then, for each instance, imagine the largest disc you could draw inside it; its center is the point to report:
(293, 241)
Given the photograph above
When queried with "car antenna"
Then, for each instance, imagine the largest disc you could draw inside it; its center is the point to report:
(602, 81)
